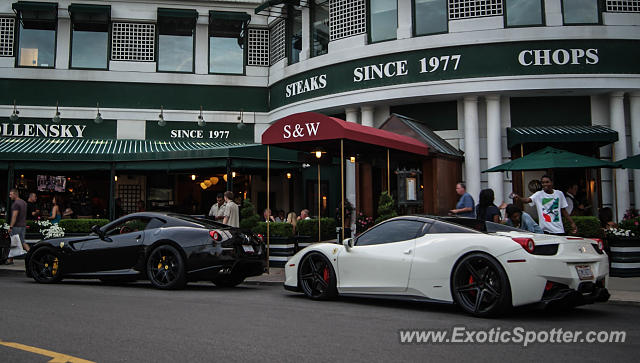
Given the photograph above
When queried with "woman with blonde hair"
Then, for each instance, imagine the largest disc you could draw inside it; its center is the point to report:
(292, 219)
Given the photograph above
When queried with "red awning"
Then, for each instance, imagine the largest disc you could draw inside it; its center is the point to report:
(311, 126)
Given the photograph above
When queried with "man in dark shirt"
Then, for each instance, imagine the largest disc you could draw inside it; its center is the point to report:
(18, 224)
(33, 212)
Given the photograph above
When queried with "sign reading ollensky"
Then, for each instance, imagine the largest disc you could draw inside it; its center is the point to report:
(66, 129)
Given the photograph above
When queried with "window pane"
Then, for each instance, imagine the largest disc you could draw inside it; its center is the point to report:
(383, 17)
(393, 231)
(524, 12)
(37, 47)
(320, 28)
(431, 16)
(580, 11)
(89, 49)
(295, 42)
(225, 56)
(441, 227)
(175, 53)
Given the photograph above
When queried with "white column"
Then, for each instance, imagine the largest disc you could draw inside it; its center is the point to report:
(350, 176)
(351, 114)
(202, 44)
(63, 40)
(471, 147)
(305, 53)
(367, 115)
(494, 146)
(405, 20)
(634, 99)
(616, 116)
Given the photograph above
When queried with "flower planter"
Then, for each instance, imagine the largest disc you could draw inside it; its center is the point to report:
(624, 256)
(280, 249)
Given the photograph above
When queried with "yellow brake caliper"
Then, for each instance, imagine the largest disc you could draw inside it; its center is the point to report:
(164, 258)
(54, 267)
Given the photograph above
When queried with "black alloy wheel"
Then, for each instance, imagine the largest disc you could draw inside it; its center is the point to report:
(165, 268)
(45, 265)
(480, 286)
(317, 277)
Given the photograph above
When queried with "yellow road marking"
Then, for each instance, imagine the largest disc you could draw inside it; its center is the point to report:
(56, 357)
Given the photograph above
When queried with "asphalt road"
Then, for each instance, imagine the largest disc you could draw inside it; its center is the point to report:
(135, 323)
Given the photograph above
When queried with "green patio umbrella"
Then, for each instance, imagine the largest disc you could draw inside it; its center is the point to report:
(632, 162)
(550, 158)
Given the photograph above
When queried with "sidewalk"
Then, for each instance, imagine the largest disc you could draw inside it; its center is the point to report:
(622, 290)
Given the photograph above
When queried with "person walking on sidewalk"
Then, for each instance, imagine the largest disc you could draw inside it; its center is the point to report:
(551, 205)
(18, 223)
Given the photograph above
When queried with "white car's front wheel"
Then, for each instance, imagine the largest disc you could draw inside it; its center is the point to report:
(317, 277)
(480, 286)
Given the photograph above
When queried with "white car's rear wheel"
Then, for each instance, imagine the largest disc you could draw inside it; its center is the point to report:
(317, 277)
(480, 286)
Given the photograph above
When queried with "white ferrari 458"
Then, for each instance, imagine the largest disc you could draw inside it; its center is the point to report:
(484, 267)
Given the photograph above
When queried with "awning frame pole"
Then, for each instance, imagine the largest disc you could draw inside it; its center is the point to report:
(342, 185)
(10, 185)
(522, 172)
(268, 201)
(319, 207)
(112, 192)
(388, 175)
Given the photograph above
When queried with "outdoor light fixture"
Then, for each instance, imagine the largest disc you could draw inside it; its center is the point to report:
(56, 117)
(14, 116)
(161, 121)
(115, 178)
(288, 175)
(352, 159)
(201, 121)
(233, 174)
(318, 153)
(241, 125)
(214, 180)
(98, 118)
(193, 177)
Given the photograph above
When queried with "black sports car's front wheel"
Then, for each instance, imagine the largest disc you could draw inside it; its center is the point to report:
(45, 265)
(479, 285)
(165, 268)
(317, 277)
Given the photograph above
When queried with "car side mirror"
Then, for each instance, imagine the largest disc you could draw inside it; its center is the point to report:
(95, 229)
(347, 243)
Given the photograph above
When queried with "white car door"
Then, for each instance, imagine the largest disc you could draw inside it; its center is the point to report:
(380, 260)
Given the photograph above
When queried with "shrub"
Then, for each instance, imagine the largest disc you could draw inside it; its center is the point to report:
(386, 208)
(81, 225)
(632, 224)
(248, 217)
(309, 227)
(588, 227)
(276, 229)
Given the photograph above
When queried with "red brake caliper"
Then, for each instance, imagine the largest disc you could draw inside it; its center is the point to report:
(325, 274)
(470, 283)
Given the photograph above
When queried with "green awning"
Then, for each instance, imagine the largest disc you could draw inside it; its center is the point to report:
(90, 14)
(550, 158)
(229, 16)
(61, 166)
(177, 13)
(632, 162)
(560, 134)
(177, 21)
(36, 15)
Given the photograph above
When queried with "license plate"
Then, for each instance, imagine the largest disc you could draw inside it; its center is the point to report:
(584, 272)
(247, 248)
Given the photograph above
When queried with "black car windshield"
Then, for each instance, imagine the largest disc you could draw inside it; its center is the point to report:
(206, 223)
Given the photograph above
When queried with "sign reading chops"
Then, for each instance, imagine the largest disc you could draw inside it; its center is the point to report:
(311, 126)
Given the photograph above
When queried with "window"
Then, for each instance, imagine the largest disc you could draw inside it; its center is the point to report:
(133, 42)
(258, 47)
(6, 36)
(430, 17)
(465, 9)
(294, 34)
(36, 33)
(624, 6)
(89, 36)
(392, 231)
(580, 12)
(523, 12)
(319, 27)
(443, 227)
(227, 41)
(176, 28)
(277, 42)
(347, 18)
(383, 20)
(127, 226)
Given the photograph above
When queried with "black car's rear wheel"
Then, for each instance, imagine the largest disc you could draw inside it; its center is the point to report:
(165, 268)
(480, 286)
(45, 265)
(317, 277)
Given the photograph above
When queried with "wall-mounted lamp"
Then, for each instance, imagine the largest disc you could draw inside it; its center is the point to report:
(161, 121)
(56, 117)
(233, 174)
(318, 153)
(352, 159)
(201, 121)
(193, 177)
(115, 178)
(241, 125)
(14, 116)
(98, 118)
(288, 175)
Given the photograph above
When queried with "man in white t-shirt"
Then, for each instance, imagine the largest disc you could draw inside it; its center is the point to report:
(551, 206)
(231, 212)
(217, 210)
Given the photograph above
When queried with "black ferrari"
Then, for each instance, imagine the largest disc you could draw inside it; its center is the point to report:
(167, 249)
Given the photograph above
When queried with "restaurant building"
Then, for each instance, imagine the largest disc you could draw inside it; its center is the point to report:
(171, 96)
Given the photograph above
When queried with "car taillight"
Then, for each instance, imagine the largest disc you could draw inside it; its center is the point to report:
(260, 236)
(215, 235)
(600, 244)
(526, 243)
